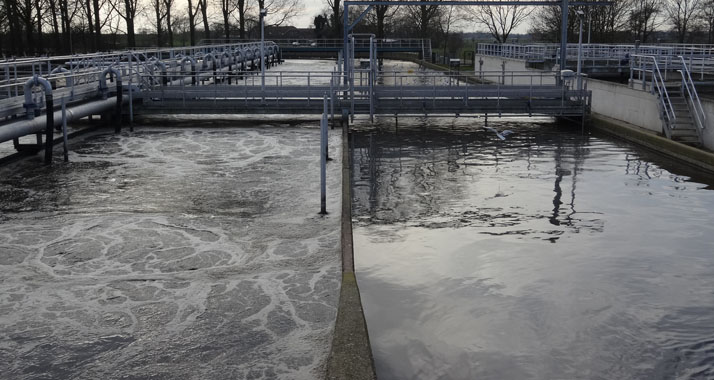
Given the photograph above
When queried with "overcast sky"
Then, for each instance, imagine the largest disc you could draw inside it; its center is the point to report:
(312, 8)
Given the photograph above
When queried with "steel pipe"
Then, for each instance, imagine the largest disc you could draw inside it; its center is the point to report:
(21, 128)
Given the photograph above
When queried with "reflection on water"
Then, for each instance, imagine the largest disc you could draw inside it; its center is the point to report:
(549, 255)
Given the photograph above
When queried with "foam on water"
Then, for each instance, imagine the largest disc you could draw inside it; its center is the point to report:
(171, 254)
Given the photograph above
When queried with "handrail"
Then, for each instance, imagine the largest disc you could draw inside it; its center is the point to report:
(688, 84)
(658, 83)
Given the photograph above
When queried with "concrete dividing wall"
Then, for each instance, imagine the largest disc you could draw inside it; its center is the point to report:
(619, 102)
(615, 101)
(493, 64)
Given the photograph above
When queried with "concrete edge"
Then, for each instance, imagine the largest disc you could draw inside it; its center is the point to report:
(351, 353)
(696, 157)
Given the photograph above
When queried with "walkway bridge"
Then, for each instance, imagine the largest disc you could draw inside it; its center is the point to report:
(362, 45)
(225, 79)
(610, 60)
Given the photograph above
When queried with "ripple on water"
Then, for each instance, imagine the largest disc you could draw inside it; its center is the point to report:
(549, 255)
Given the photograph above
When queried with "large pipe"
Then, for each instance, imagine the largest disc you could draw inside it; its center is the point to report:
(29, 103)
(69, 81)
(21, 128)
(193, 68)
(120, 97)
(30, 106)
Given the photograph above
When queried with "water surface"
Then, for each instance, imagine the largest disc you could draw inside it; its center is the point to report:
(549, 255)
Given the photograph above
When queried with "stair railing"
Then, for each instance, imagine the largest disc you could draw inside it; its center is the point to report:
(695, 105)
(647, 64)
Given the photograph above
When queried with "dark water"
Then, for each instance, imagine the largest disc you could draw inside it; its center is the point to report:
(550, 255)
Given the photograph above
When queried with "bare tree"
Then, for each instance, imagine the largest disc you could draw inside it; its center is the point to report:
(422, 16)
(203, 4)
(168, 4)
(643, 18)
(126, 9)
(707, 17)
(279, 11)
(226, 7)
(449, 17)
(380, 15)
(55, 24)
(336, 16)
(241, 8)
(68, 9)
(682, 16)
(191, 18)
(159, 15)
(500, 20)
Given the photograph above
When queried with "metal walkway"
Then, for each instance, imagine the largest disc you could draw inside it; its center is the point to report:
(608, 60)
(225, 79)
(386, 45)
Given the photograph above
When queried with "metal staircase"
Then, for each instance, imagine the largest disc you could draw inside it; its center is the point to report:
(426, 50)
(681, 111)
(682, 128)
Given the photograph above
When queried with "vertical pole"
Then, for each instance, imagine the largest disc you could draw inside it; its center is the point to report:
(563, 36)
(345, 30)
(262, 49)
(49, 128)
(590, 24)
(131, 100)
(64, 130)
(323, 159)
(120, 98)
(580, 54)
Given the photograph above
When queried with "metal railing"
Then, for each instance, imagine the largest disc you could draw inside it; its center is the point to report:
(692, 96)
(404, 43)
(644, 66)
(698, 58)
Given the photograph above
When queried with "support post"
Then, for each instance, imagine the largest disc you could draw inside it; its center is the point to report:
(64, 130)
(49, 128)
(563, 36)
(323, 159)
(345, 22)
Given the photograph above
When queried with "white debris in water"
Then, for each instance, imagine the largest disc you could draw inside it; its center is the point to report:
(171, 254)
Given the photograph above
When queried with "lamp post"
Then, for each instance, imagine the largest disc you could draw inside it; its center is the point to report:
(580, 14)
(263, 13)
(590, 24)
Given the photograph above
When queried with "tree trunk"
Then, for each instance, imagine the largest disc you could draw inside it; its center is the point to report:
(191, 23)
(226, 25)
(97, 27)
(204, 13)
(169, 29)
(66, 27)
(55, 27)
(157, 8)
(381, 14)
(29, 29)
(130, 9)
(241, 19)
(13, 27)
(130, 34)
(336, 19)
(38, 10)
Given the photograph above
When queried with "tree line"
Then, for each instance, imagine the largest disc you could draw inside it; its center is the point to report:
(69, 26)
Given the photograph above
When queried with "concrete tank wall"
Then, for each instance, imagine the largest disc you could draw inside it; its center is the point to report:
(618, 101)
(708, 134)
